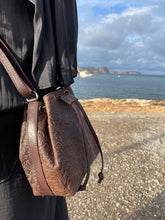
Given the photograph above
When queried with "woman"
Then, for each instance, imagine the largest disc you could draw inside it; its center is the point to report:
(42, 35)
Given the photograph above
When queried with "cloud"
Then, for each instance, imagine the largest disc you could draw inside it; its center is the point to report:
(131, 38)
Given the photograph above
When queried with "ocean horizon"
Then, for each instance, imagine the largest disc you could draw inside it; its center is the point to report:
(150, 87)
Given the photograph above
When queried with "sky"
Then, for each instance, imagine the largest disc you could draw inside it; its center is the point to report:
(122, 35)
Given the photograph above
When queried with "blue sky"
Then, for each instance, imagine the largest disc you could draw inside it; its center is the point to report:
(122, 35)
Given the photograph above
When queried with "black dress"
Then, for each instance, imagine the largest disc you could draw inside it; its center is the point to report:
(42, 35)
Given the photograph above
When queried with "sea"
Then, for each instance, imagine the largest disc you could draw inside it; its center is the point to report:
(112, 86)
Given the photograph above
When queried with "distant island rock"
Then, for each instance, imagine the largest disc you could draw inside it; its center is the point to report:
(93, 70)
(104, 70)
(127, 73)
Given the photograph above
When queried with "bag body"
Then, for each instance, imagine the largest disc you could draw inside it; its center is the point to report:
(58, 143)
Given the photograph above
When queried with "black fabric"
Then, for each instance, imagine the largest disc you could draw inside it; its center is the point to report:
(43, 37)
(10, 125)
(16, 199)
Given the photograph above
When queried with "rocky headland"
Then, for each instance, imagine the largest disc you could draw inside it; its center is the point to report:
(105, 70)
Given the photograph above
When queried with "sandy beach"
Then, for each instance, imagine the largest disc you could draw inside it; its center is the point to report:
(124, 105)
(132, 136)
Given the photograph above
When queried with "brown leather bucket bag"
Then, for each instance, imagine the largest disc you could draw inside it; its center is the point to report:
(58, 143)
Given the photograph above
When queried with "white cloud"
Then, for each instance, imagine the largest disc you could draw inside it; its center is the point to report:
(119, 61)
(132, 39)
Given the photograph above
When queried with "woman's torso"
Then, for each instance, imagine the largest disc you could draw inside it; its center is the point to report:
(42, 35)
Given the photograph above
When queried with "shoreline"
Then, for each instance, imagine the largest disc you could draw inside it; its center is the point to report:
(123, 105)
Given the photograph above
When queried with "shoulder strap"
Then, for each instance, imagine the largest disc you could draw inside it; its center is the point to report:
(18, 77)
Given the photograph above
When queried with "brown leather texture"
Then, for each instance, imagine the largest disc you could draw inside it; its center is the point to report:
(57, 144)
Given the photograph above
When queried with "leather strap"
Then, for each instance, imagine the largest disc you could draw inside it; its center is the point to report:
(15, 72)
(32, 129)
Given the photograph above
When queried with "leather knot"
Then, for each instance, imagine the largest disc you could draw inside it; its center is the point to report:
(101, 177)
(82, 188)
